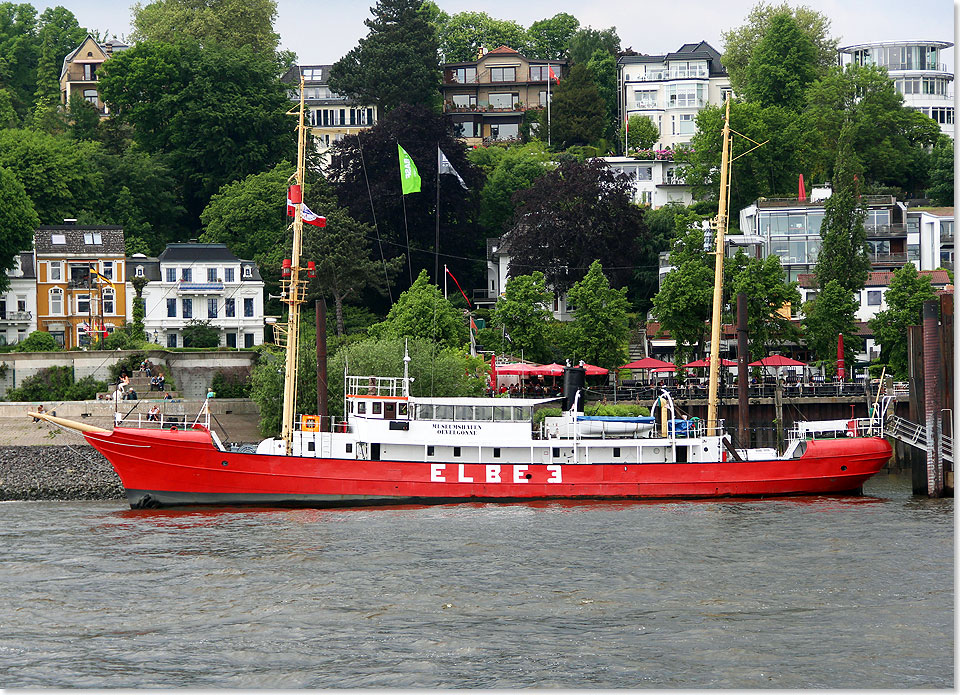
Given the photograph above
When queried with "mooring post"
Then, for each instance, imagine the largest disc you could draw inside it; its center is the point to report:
(931, 377)
(321, 307)
(743, 380)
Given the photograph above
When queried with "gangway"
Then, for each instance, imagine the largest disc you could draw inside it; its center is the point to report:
(915, 435)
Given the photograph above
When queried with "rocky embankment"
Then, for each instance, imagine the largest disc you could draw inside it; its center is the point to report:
(56, 473)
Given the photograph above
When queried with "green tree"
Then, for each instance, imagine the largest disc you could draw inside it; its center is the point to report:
(739, 42)
(38, 341)
(56, 384)
(465, 33)
(19, 53)
(587, 40)
(642, 133)
(908, 291)
(396, 63)
(603, 67)
(200, 334)
(266, 384)
(600, 322)
(230, 23)
(829, 314)
(84, 119)
(781, 65)
(516, 170)
(521, 312)
(573, 215)
(549, 38)
(219, 112)
(768, 292)
(843, 255)
(579, 116)
(941, 173)
(18, 220)
(422, 312)
(58, 34)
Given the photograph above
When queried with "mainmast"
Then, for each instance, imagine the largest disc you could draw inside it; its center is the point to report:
(721, 225)
(293, 291)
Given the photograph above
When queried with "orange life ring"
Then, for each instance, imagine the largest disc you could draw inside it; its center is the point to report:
(310, 423)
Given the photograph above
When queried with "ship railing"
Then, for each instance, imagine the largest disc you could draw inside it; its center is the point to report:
(391, 386)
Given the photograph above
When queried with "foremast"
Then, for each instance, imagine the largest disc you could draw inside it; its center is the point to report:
(292, 294)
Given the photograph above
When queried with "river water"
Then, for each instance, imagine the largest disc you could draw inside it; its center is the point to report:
(820, 592)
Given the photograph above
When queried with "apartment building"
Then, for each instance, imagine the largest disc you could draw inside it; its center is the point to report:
(331, 116)
(485, 100)
(656, 182)
(18, 305)
(73, 303)
(79, 74)
(930, 237)
(199, 282)
(918, 73)
(671, 89)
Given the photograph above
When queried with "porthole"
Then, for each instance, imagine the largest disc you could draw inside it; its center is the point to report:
(843, 468)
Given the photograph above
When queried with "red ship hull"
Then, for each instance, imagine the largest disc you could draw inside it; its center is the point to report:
(169, 468)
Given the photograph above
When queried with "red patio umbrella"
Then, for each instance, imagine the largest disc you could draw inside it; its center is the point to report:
(518, 369)
(778, 361)
(668, 368)
(593, 370)
(706, 363)
(493, 370)
(550, 370)
(646, 363)
(841, 366)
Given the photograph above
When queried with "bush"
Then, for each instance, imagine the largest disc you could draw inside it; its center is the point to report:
(200, 334)
(618, 410)
(38, 341)
(130, 364)
(56, 384)
(231, 385)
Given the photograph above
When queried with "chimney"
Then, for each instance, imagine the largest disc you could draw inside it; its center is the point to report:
(70, 221)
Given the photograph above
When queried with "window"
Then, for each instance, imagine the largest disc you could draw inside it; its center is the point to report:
(496, 452)
(874, 297)
(108, 270)
(171, 308)
(466, 129)
(456, 451)
(503, 74)
(461, 75)
(186, 274)
(171, 340)
(616, 452)
(248, 340)
(377, 408)
(139, 271)
(83, 303)
(228, 274)
(684, 124)
(431, 450)
(685, 95)
(186, 305)
(248, 307)
(541, 73)
(58, 239)
(231, 340)
(504, 100)
(79, 273)
(55, 272)
(21, 303)
(90, 72)
(464, 101)
(545, 96)
(645, 98)
(211, 274)
(247, 271)
(211, 308)
(171, 274)
(230, 307)
(56, 301)
(504, 131)
(92, 238)
(108, 303)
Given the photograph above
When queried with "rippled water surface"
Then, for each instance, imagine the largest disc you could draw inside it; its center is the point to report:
(791, 593)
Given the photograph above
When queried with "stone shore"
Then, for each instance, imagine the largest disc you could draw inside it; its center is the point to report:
(56, 473)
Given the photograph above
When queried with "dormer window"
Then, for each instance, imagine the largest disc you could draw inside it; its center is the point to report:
(58, 239)
(247, 271)
(92, 238)
(139, 271)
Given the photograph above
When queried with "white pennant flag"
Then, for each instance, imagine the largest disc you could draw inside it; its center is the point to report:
(445, 167)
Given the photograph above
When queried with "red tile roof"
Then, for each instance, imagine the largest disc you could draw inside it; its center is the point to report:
(879, 278)
(502, 49)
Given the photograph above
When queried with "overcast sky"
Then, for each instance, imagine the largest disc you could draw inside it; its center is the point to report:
(321, 31)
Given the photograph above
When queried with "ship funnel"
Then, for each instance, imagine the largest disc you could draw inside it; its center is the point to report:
(574, 379)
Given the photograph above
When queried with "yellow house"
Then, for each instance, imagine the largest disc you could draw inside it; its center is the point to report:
(79, 74)
(81, 288)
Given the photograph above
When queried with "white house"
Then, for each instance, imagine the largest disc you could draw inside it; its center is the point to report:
(18, 305)
(671, 89)
(930, 237)
(498, 263)
(656, 182)
(199, 282)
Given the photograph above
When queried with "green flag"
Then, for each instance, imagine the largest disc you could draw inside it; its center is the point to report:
(409, 178)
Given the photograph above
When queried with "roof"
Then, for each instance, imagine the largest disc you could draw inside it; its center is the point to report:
(151, 267)
(877, 44)
(880, 278)
(72, 239)
(73, 54)
(27, 265)
(292, 75)
(501, 49)
(936, 212)
(701, 50)
(177, 253)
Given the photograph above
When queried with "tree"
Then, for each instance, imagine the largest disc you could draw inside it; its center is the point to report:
(583, 43)
(38, 341)
(843, 255)
(19, 52)
(397, 61)
(941, 173)
(603, 67)
(521, 312)
(58, 34)
(908, 291)
(600, 322)
(549, 38)
(574, 215)
(84, 118)
(739, 42)
(465, 33)
(18, 220)
(642, 132)
(407, 223)
(579, 116)
(422, 312)
(200, 334)
(768, 293)
(219, 112)
(56, 384)
(230, 23)
(516, 170)
(828, 315)
(781, 65)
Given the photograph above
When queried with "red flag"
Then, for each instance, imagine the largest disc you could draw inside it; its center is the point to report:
(553, 75)
(841, 371)
(458, 286)
(306, 214)
(803, 191)
(626, 123)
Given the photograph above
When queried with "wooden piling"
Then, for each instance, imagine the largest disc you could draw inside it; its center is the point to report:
(931, 405)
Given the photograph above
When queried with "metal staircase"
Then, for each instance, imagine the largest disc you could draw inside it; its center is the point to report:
(915, 435)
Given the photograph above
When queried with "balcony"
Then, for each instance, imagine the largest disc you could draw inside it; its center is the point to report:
(888, 258)
(483, 297)
(16, 316)
(200, 288)
(885, 230)
(946, 236)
